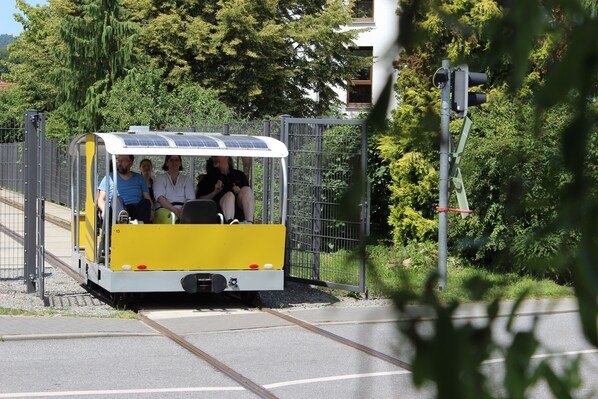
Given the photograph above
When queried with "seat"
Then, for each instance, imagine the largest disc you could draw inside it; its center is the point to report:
(201, 211)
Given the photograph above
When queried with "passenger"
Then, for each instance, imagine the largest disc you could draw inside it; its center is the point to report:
(229, 188)
(132, 190)
(172, 189)
(146, 168)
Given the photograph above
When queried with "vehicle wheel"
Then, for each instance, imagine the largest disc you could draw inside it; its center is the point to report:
(119, 300)
(251, 298)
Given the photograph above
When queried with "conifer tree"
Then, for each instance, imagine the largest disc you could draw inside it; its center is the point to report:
(97, 49)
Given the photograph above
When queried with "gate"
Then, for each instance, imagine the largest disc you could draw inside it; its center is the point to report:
(328, 214)
(21, 207)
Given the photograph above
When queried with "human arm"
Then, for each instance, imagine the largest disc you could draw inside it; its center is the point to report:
(148, 197)
(102, 202)
(209, 187)
(217, 189)
(164, 203)
(239, 179)
(101, 197)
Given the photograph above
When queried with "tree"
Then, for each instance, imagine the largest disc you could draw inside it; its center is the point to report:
(97, 49)
(264, 58)
(539, 48)
(142, 98)
(11, 109)
(31, 56)
(5, 40)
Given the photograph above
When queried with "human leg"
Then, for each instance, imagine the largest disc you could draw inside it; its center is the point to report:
(141, 211)
(246, 202)
(227, 204)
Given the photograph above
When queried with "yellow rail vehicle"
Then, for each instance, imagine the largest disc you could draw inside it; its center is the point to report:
(186, 257)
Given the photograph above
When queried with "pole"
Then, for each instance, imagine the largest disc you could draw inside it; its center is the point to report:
(444, 176)
(30, 205)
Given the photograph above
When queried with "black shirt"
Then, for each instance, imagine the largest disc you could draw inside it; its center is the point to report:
(208, 182)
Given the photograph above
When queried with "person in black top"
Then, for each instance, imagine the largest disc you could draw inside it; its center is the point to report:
(229, 188)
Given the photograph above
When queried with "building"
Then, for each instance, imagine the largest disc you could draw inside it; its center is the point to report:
(380, 19)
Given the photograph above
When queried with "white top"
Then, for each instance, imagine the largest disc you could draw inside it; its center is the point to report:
(188, 144)
(182, 191)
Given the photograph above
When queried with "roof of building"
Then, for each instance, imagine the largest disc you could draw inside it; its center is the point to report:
(6, 85)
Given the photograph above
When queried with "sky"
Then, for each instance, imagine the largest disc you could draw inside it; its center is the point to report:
(7, 22)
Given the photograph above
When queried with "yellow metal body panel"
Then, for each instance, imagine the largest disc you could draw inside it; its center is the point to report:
(89, 232)
(197, 246)
(82, 229)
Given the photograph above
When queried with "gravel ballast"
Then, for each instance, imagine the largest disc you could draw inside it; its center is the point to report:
(64, 296)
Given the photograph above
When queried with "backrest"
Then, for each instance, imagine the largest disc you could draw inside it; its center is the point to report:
(200, 211)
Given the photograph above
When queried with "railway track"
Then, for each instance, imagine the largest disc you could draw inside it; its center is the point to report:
(197, 351)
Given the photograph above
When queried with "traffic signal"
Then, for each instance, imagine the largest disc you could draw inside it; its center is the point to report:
(461, 97)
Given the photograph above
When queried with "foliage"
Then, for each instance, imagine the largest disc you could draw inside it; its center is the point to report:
(97, 48)
(32, 56)
(142, 98)
(514, 177)
(406, 269)
(379, 179)
(192, 105)
(262, 57)
(412, 192)
(455, 356)
(517, 208)
(5, 40)
(11, 111)
(408, 148)
(540, 49)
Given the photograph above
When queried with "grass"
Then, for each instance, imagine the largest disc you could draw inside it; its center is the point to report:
(394, 271)
(120, 314)
(405, 272)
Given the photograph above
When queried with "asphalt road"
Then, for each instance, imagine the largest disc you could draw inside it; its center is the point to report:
(289, 361)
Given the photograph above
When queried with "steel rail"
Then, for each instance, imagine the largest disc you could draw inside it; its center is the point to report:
(239, 378)
(50, 257)
(50, 218)
(338, 338)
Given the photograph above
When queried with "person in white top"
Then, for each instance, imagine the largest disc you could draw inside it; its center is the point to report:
(173, 189)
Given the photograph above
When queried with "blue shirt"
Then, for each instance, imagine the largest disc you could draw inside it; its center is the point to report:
(131, 190)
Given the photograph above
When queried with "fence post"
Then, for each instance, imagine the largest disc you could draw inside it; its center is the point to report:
(284, 137)
(30, 198)
(316, 209)
(41, 207)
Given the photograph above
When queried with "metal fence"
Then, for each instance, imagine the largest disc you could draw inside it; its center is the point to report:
(22, 203)
(327, 157)
(327, 213)
(11, 200)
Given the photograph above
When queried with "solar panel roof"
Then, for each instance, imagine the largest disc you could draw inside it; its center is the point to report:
(143, 140)
(194, 141)
(247, 142)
